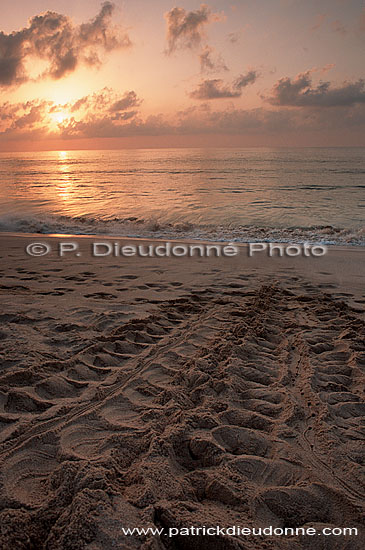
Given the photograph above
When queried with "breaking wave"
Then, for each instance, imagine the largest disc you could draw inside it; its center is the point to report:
(151, 228)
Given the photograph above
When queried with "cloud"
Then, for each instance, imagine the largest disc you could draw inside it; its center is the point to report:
(234, 37)
(244, 80)
(217, 89)
(26, 118)
(93, 117)
(54, 38)
(214, 89)
(129, 100)
(338, 27)
(186, 29)
(39, 117)
(202, 119)
(210, 64)
(319, 21)
(327, 67)
(300, 93)
(99, 32)
(11, 57)
(105, 101)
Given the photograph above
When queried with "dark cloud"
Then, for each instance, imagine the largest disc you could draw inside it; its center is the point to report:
(244, 80)
(300, 93)
(185, 29)
(99, 32)
(214, 89)
(129, 100)
(53, 37)
(209, 63)
(217, 89)
(11, 57)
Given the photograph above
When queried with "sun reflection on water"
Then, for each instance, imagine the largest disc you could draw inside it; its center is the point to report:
(65, 185)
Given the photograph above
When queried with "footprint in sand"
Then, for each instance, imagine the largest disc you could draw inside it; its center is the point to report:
(119, 412)
(26, 473)
(85, 440)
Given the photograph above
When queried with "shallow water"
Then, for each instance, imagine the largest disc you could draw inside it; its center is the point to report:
(226, 194)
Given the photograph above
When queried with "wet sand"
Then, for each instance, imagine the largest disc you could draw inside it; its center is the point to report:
(172, 392)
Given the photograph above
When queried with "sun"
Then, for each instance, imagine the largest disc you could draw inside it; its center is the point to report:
(59, 117)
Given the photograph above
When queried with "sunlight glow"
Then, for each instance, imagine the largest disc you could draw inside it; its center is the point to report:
(59, 117)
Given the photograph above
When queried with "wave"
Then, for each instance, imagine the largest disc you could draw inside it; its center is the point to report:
(151, 228)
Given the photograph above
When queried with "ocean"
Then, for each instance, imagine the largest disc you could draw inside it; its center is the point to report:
(313, 195)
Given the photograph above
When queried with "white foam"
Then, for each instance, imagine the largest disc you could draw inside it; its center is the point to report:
(133, 227)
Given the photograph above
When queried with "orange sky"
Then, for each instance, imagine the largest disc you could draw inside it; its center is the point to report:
(155, 73)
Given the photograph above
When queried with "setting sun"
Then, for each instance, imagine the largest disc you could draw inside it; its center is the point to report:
(59, 117)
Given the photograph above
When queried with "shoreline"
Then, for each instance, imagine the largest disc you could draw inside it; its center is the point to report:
(127, 238)
(340, 270)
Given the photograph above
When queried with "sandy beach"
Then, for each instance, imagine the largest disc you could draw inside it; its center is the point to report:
(174, 392)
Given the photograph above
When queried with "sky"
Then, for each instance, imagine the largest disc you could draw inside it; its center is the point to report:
(90, 74)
